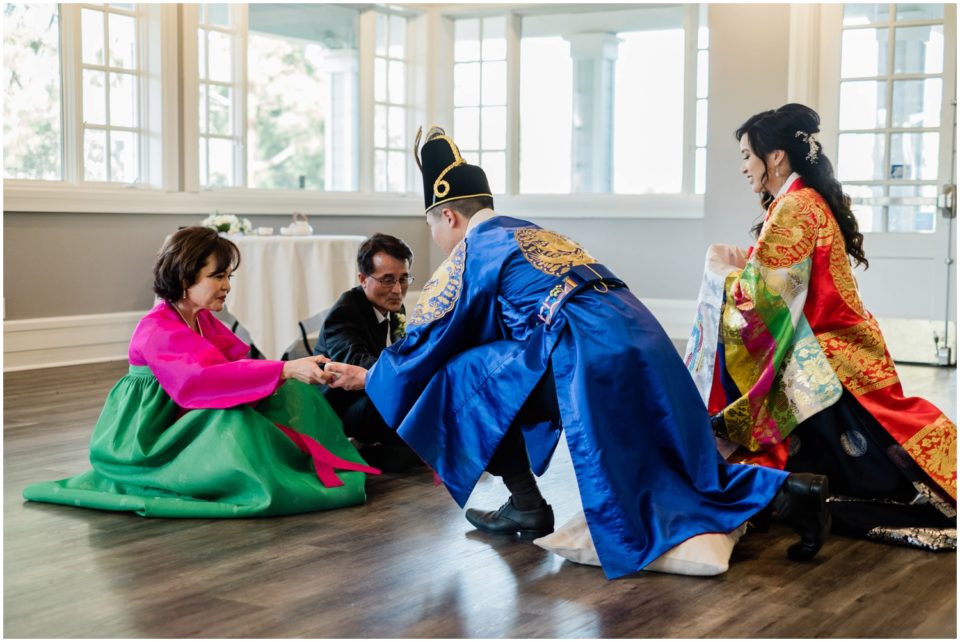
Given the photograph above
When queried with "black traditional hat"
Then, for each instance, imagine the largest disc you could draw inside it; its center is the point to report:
(446, 176)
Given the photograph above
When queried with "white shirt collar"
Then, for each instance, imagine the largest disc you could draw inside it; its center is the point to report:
(380, 316)
(783, 188)
(483, 215)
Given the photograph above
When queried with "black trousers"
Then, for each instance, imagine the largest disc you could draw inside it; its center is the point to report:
(362, 421)
(510, 458)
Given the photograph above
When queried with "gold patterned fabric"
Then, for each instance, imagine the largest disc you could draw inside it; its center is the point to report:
(549, 252)
(440, 293)
(859, 357)
(934, 447)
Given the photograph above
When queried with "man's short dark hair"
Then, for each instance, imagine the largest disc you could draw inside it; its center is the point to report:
(183, 256)
(385, 243)
(466, 206)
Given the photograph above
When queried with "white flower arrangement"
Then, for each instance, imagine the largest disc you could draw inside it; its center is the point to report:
(228, 223)
(401, 330)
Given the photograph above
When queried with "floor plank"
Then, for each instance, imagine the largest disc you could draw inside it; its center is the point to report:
(406, 564)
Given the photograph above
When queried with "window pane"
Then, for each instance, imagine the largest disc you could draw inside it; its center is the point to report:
(123, 100)
(703, 30)
(466, 40)
(221, 163)
(380, 46)
(379, 126)
(380, 80)
(493, 129)
(919, 50)
(494, 88)
(395, 171)
(95, 155)
(94, 97)
(700, 180)
(916, 103)
(220, 58)
(221, 110)
(914, 156)
(398, 81)
(466, 84)
(703, 73)
(123, 43)
(862, 14)
(701, 140)
(31, 107)
(869, 217)
(863, 104)
(860, 157)
(302, 102)
(913, 218)
(123, 157)
(917, 11)
(398, 37)
(495, 38)
(380, 170)
(466, 127)
(545, 115)
(203, 108)
(396, 129)
(218, 14)
(91, 25)
(202, 54)
(204, 172)
(648, 60)
(494, 164)
(864, 53)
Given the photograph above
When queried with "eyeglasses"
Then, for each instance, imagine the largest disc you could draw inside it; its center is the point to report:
(390, 281)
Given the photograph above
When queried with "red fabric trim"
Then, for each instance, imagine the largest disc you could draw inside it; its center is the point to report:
(324, 461)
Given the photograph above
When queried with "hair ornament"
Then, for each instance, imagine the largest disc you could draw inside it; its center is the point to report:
(812, 142)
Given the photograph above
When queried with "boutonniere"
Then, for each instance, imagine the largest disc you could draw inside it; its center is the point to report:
(400, 329)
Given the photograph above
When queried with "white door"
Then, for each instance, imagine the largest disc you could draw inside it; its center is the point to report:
(888, 102)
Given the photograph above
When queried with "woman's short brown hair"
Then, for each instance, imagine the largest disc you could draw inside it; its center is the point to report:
(183, 256)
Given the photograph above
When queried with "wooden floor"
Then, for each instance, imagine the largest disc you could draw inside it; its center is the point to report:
(406, 564)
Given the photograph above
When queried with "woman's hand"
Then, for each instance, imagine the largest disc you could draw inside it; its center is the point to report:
(308, 370)
(346, 376)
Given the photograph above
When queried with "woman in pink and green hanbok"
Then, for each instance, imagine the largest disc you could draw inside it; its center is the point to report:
(197, 429)
(792, 367)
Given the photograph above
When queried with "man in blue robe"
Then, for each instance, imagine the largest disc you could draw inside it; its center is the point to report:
(520, 334)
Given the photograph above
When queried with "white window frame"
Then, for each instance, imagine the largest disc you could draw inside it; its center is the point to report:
(684, 205)
(430, 87)
(156, 76)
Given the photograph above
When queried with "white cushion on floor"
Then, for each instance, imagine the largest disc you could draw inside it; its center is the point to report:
(706, 554)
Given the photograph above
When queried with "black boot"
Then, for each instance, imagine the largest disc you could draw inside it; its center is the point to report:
(509, 519)
(802, 501)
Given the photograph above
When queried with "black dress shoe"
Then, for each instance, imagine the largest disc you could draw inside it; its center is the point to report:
(509, 520)
(802, 500)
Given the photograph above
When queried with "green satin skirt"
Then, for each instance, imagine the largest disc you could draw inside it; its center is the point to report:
(150, 457)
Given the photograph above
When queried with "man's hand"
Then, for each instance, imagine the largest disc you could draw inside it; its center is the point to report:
(345, 376)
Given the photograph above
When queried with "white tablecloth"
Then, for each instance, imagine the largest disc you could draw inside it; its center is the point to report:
(283, 280)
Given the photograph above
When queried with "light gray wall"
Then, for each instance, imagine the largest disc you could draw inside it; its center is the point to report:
(748, 74)
(77, 264)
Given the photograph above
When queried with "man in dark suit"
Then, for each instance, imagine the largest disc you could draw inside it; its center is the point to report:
(364, 321)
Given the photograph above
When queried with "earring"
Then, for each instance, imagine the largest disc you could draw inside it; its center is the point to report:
(777, 172)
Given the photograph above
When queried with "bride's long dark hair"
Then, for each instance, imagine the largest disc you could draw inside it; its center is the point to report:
(789, 128)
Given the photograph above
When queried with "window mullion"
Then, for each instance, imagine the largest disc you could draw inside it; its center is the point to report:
(367, 43)
(690, 27)
(513, 104)
(241, 15)
(190, 162)
(72, 100)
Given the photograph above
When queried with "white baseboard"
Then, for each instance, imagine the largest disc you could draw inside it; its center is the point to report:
(65, 341)
(50, 342)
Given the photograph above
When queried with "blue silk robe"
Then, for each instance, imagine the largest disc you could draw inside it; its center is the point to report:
(639, 435)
